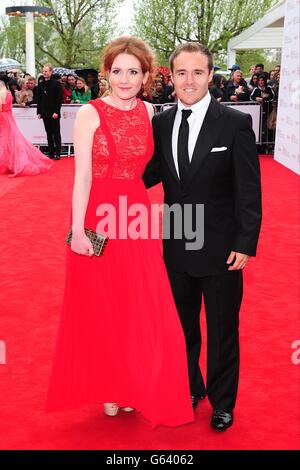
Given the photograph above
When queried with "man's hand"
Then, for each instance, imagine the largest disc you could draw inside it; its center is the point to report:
(54, 116)
(240, 261)
(239, 90)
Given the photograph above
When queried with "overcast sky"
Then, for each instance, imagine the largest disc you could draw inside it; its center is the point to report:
(126, 13)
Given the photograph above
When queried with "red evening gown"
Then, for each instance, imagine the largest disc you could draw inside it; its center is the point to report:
(18, 157)
(120, 338)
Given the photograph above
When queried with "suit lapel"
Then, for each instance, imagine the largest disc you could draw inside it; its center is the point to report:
(167, 140)
(207, 136)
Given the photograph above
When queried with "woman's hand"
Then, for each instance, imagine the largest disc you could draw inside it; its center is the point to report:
(81, 244)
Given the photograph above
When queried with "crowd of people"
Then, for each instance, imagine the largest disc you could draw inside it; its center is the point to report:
(134, 313)
(259, 86)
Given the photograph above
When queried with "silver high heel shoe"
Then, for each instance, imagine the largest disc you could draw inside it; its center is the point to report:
(111, 409)
(127, 409)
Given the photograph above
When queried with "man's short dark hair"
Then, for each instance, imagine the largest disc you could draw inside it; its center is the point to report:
(4, 78)
(262, 77)
(192, 47)
(260, 65)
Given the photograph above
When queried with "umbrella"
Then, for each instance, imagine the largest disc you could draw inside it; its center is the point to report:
(63, 71)
(222, 72)
(7, 64)
(85, 72)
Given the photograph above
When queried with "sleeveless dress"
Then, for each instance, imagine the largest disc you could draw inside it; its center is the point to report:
(18, 157)
(120, 338)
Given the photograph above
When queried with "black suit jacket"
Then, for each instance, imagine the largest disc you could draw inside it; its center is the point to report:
(50, 98)
(226, 182)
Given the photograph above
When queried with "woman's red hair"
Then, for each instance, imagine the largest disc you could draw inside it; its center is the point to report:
(134, 46)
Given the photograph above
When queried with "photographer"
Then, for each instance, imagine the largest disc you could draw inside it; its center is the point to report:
(264, 95)
(237, 89)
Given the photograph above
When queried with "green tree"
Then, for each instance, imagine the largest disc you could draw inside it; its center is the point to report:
(255, 56)
(165, 23)
(12, 33)
(72, 37)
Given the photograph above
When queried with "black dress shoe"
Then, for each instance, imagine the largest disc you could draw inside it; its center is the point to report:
(195, 399)
(221, 420)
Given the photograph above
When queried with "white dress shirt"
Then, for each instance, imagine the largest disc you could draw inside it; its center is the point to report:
(195, 121)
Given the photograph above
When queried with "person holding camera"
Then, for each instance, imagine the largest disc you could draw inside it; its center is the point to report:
(237, 89)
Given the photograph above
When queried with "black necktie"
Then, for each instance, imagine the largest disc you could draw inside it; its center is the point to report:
(183, 146)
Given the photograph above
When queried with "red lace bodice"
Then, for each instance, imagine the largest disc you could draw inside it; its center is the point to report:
(123, 143)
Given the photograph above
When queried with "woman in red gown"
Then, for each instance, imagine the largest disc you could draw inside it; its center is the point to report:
(120, 340)
(18, 157)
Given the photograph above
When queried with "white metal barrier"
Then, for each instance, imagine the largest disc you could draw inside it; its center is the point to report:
(249, 107)
(33, 128)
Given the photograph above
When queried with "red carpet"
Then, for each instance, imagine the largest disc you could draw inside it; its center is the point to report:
(34, 214)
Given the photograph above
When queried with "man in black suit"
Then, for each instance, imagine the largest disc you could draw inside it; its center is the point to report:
(50, 99)
(205, 156)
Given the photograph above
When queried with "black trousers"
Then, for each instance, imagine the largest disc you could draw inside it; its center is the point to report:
(52, 127)
(222, 296)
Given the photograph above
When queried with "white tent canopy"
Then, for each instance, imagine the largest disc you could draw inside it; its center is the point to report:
(266, 33)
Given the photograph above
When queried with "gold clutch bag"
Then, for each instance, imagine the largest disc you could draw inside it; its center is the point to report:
(98, 241)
